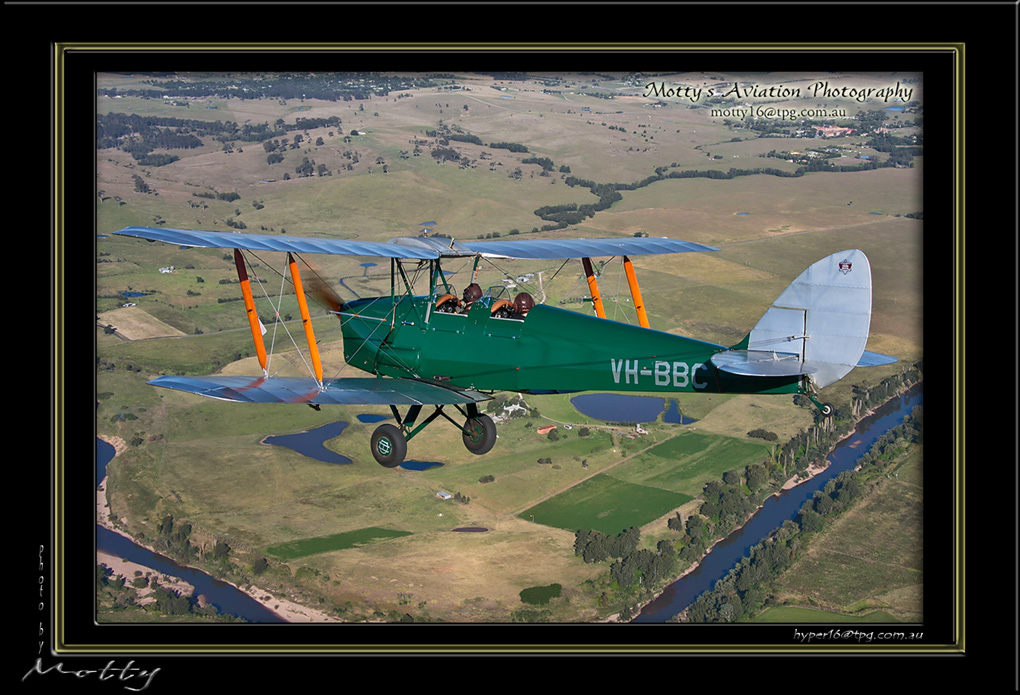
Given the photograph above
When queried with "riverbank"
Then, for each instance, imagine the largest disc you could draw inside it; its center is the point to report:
(680, 592)
(796, 480)
(844, 455)
(287, 610)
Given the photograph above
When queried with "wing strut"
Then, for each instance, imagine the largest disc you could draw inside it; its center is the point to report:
(249, 305)
(596, 298)
(635, 292)
(306, 320)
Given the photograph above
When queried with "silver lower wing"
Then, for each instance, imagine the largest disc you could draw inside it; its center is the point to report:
(349, 391)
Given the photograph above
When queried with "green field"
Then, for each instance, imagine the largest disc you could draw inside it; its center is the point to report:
(686, 462)
(330, 531)
(338, 541)
(605, 504)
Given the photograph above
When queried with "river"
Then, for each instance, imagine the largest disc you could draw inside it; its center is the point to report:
(228, 599)
(784, 506)
(714, 566)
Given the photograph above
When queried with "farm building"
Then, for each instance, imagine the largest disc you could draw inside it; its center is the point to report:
(546, 430)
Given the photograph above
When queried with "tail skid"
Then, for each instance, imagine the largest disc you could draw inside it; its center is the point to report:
(818, 327)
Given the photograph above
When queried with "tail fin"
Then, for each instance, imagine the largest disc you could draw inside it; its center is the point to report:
(819, 325)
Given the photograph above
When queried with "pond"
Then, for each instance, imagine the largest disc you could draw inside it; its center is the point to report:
(615, 407)
(311, 443)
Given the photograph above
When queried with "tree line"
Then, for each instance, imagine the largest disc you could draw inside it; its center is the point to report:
(727, 503)
(748, 588)
(140, 135)
(342, 86)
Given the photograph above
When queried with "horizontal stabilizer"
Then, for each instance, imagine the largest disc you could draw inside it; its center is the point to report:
(761, 363)
(875, 359)
(349, 391)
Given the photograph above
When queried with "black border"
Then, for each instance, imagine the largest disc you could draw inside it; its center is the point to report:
(940, 203)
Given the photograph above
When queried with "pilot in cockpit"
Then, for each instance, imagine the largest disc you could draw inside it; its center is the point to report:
(523, 303)
(472, 293)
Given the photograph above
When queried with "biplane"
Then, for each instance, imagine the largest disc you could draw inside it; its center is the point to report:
(443, 350)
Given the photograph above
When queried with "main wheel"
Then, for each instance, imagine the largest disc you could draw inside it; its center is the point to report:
(389, 447)
(827, 409)
(479, 434)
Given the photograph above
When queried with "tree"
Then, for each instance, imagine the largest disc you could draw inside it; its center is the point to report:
(810, 520)
(590, 545)
(695, 527)
(756, 476)
(823, 503)
(221, 550)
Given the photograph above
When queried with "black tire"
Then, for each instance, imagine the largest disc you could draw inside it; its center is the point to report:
(827, 409)
(389, 447)
(479, 434)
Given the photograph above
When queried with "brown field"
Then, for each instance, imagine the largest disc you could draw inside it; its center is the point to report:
(870, 557)
(134, 323)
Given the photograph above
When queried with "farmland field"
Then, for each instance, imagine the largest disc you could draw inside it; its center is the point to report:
(870, 560)
(605, 504)
(364, 541)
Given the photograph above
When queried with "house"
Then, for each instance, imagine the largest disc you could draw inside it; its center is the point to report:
(444, 495)
(831, 131)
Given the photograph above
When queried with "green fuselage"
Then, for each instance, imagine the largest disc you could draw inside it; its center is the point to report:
(550, 350)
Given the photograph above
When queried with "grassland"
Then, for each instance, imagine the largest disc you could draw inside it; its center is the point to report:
(202, 460)
(868, 564)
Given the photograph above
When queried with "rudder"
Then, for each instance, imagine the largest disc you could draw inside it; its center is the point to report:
(823, 317)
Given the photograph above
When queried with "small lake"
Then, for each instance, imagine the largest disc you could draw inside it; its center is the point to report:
(312, 442)
(615, 407)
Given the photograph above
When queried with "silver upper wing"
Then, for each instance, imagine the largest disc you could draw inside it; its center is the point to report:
(277, 242)
(420, 247)
(584, 248)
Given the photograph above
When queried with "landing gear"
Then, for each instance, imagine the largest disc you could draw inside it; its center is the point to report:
(825, 409)
(389, 442)
(479, 434)
(389, 446)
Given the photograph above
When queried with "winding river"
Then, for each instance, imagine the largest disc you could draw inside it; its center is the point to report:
(720, 559)
(725, 554)
(227, 598)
